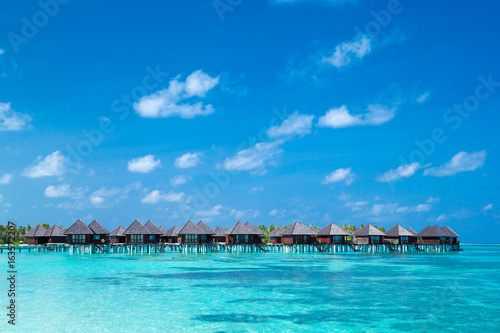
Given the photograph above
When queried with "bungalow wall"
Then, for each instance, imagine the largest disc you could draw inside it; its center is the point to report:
(79, 239)
(98, 239)
(195, 239)
(432, 240)
(242, 239)
(331, 239)
(136, 239)
(117, 239)
(275, 240)
(57, 239)
(369, 239)
(219, 239)
(297, 239)
(152, 239)
(37, 240)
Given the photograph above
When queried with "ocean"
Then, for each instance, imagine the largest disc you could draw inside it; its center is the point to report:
(263, 292)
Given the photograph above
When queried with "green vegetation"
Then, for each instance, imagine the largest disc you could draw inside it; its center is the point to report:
(18, 234)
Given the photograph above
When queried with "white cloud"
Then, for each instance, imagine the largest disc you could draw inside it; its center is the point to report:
(433, 200)
(255, 190)
(342, 174)
(403, 171)
(441, 217)
(169, 102)
(51, 165)
(157, 196)
(422, 98)
(11, 120)
(356, 206)
(423, 208)
(179, 180)
(188, 160)
(348, 51)
(403, 209)
(295, 124)
(239, 214)
(104, 194)
(58, 191)
(277, 212)
(379, 209)
(2, 51)
(143, 164)
(6, 178)
(214, 211)
(488, 207)
(341, 117)
(459, 163)
(256, 157)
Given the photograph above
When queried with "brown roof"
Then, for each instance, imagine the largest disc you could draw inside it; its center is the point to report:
(54, 231)
(333, 230)
(37, 231)
(432, 231)
(367, 230)
(297, 228)
(136, 228)
(206, 229)
(191, 229)
(97, 228)
(398, 231)
(79, 228)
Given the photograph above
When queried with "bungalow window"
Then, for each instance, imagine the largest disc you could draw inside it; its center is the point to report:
(337, 239)
(97, 237)
(77, 238)
(136, 238)
(151, 237)
(191, 238)
(404, 239)
(375, 239)
(301, 239)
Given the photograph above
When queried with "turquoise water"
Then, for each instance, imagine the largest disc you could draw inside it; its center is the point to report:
(454, 292)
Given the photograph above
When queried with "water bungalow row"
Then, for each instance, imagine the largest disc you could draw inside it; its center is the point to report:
(200, 238)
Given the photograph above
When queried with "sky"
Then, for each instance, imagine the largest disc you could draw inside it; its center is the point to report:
(271, 112)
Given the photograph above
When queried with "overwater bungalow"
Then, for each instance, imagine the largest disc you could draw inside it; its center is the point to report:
(332, 234)
(368, 235)
(432, 235)
(173, 235)
(100, 233)
(399, 235)
(275, 236)
(117, 236)
(191, 233)
(36, 235)
(55, 235)
(136, 233)
(154, 232)
(219, 236)
(79, 233)
(163, 237)
(243, 234)
(297, 233)
(452, 235)
(208, 231)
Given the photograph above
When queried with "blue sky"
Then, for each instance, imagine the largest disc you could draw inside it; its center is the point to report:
(354, 112)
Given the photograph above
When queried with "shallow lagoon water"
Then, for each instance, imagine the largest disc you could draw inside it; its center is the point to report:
(455, 292)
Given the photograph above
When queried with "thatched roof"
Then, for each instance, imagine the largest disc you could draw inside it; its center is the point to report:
(241, 229)
(79, 228)
(450, 232)
(254, 228)
(152, 228)
(118, 231)
(97, 228)
(398, 231)
(432, 231)
(367, 230)
(412, 231)
(276, 232)
(136, 228)
(191, 229)
(206, 229)
(333, 230)
(173, 232)
(54, 231)
(297, 228)
(163, 230)
(219, 231)
(37, 231)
